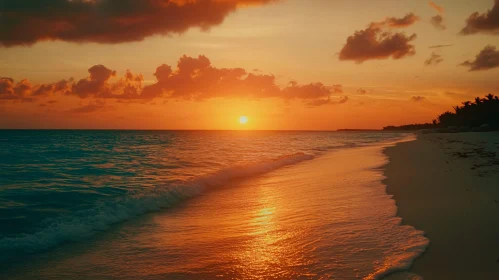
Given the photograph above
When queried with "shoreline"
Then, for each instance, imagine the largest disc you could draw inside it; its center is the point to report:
(447, 185)
(272, 213)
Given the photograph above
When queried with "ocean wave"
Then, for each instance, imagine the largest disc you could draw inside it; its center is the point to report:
(83, 224)
(401, 261)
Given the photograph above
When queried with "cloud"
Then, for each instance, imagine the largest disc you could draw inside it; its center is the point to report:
(361, 91)
(418, 98)
(25, 91)
(108, 21)
(97, 83)
(439, 46)
(438, 22)
(373, 43)
(438, 8)
(343, 100)
(62, 86)
(329, 101)
(487, 59)
(309, 91)
(194, 78)
(89, 108)
(434, 59)
(483, 23)
(319, 102)
(393, 22)
(9, 90)
(337, 88)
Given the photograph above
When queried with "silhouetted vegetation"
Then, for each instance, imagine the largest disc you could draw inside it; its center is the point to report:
(410, 127)
(479, 115)
(356, 130)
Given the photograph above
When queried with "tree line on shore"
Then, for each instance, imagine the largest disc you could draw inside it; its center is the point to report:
(478, 115)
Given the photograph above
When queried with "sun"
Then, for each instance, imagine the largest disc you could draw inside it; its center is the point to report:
(243, 120)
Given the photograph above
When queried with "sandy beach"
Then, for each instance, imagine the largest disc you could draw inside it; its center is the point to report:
(448, 186)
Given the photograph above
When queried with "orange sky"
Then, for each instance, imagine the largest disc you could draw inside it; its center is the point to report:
(200, 64)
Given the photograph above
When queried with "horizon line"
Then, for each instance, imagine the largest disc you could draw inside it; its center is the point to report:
(242, 130)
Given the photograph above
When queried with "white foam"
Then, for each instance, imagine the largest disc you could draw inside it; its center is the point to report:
(86, 223)
(402, 261)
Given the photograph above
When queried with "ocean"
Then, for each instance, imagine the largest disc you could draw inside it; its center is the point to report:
(83, 204)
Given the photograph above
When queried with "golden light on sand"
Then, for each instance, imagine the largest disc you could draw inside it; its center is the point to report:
(243, 120)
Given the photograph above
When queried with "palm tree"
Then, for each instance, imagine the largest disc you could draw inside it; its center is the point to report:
(447, 118)
(473, 114)
(478, 101)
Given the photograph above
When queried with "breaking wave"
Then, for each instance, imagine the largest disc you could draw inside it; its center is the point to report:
(83, 224)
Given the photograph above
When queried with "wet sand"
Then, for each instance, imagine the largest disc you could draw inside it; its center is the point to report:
(448, 186)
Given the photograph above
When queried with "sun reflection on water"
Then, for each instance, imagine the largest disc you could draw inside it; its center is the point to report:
(269, 251)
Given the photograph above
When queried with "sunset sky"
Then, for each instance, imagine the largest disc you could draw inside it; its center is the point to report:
(201, 64)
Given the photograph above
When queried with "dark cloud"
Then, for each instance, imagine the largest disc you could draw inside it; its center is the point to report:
(487, 59)
(62, 86)
(91, 107)
(319, 102)
(361, 91)
(393, 22)
(108, 21)
(337, 88)
(328, 101)
(197, 79)
(438, 8)
(310, 91)
(438, 22)
(434, 59)
(439, 46)
(96, 83)
(323, 96)
(343, 100)
(486, 23)
(418, 98)
(9, 90)
(194, 78)
(24, 91)
(128, 87)
(374, 43)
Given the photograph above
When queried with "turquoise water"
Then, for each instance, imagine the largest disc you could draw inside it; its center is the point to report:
(61, 189)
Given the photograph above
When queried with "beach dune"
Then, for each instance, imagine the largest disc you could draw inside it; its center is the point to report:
(448, 186)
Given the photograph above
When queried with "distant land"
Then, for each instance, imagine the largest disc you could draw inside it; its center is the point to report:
(482, 114)
(356, 130)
